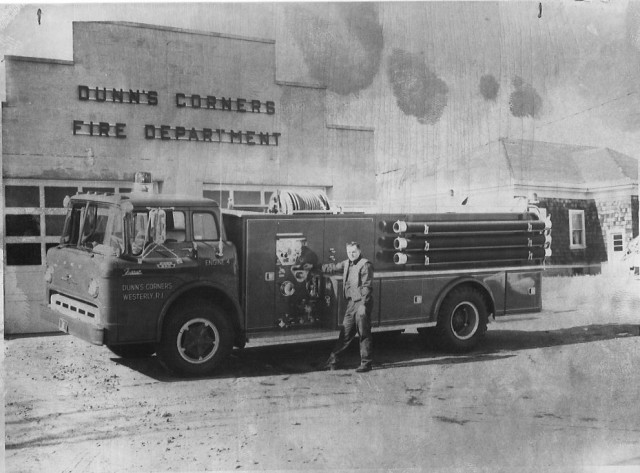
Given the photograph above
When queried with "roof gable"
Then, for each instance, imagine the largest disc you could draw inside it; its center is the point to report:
(555, 163)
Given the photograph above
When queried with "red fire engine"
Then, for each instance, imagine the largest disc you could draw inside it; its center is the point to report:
(178, 276)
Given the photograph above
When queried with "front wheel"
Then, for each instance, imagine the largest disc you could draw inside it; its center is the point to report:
(462, 319)
(195, 339)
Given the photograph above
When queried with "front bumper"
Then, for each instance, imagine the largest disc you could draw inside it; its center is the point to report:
(79, 326)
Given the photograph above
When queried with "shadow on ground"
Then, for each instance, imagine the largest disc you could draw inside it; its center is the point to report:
(392, 350)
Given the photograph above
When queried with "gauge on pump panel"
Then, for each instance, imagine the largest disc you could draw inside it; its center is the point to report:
(287, 288)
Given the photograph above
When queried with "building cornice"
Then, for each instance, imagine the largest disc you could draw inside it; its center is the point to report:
(306, 85)
(579, 192)
(179, 30)
(40, 60)
(350, 127)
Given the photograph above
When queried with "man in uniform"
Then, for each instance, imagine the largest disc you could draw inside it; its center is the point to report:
(357, 285)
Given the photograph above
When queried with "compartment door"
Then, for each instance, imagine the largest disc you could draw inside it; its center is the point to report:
(409, 299)
(401, 300)
(522, 292)
(299, 304)
(259, 273)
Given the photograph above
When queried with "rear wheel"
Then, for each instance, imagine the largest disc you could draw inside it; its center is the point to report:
(136, 350)
(195, 339)
(462, 319)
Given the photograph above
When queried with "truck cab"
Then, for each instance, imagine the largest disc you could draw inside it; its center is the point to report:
(129, 265)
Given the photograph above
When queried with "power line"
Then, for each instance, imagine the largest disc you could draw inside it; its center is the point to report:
(587, 109)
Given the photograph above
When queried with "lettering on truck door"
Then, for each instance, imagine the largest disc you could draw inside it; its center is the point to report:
(215, 258)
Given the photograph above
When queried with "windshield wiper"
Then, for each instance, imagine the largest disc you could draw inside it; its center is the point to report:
(153, 246)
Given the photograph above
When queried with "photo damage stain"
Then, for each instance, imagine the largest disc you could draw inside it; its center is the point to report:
(419, 91)
(524, 100)
(489, 87)
(342, 50)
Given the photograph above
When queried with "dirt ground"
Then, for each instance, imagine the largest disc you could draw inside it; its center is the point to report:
(552, 391)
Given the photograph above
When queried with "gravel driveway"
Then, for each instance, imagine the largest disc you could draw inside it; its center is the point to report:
(553, 391)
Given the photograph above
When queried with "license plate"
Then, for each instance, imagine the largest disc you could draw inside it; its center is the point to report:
(63, 325)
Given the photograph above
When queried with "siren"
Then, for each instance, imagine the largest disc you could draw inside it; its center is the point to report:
(142, 182)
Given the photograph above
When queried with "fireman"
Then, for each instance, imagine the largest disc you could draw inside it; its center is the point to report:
(357, 285)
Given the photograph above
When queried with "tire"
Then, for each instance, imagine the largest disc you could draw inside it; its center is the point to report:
(462, 319)
(195, 339)
(136, 350)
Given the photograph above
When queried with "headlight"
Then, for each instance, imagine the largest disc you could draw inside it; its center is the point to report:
(48, 275)
(94, 288)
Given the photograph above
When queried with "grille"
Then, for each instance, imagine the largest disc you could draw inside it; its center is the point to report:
(67, 306)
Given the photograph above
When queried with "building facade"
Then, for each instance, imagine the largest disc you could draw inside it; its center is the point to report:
(203, 112)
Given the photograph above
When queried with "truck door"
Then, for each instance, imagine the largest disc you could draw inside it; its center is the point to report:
(149, 282)
(216, 258)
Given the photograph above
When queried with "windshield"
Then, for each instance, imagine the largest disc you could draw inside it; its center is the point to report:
(94, 226)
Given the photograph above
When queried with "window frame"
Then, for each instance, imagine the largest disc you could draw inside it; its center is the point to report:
(216, 222)
(130, 228)
(583, 242)
(617, 244)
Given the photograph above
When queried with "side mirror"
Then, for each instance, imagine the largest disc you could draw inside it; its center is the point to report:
(157, 229)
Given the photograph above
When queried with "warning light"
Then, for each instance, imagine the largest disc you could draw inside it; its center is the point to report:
(142, 182)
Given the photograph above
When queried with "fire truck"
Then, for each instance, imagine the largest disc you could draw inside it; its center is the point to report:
(178, 276)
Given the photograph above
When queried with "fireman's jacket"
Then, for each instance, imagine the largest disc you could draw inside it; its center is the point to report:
(357, 278)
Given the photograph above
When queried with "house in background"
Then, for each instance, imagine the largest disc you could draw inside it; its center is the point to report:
(591, 194)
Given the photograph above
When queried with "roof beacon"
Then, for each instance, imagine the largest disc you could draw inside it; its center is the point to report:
(143, 182)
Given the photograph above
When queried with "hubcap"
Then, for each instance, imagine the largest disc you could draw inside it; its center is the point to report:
(198, 341)
(465, 320)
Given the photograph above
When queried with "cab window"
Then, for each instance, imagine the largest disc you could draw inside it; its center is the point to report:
(175, 230)
(204, 226)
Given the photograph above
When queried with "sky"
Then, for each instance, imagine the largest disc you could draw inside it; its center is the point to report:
(579, 69)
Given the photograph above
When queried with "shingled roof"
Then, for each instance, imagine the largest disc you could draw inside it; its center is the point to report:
(554, 163)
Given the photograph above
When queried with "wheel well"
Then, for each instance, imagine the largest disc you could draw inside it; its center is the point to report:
(212, 295)
(476, 285)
